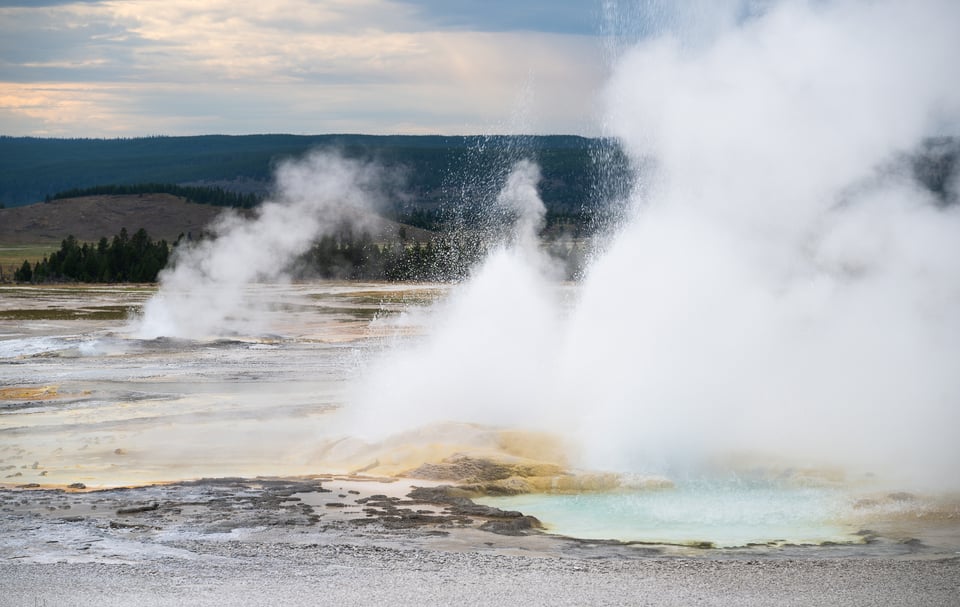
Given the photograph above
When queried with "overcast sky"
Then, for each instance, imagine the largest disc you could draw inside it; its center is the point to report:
(107, 68)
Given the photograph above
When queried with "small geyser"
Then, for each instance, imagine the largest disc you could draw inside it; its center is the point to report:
(784, 295)
(205, 293)
(485, 357)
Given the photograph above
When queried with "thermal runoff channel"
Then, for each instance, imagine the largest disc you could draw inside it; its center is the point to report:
(783, 290)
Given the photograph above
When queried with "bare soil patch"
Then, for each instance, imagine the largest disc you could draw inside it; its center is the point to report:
(89, 218)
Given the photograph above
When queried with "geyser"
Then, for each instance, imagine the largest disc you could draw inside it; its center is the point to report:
(483, 360)
(204, 294)
(784, 293)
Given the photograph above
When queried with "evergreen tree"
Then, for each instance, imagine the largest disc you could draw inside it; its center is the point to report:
(123, 259)
(25, 273)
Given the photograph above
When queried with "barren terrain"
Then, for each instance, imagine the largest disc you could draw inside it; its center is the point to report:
(91, 217)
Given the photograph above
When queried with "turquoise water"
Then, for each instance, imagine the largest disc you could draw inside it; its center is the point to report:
(723, 514)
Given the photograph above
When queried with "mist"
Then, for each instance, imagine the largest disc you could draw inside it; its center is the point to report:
(204, 293)
(481, 360)
(782, 290)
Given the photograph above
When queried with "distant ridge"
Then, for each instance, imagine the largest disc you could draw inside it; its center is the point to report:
(163, 216)
(580, 175)
(34, 168)
(91, 217)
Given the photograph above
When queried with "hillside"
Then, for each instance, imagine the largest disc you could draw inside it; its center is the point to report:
(89, 218)
(435, 169)
(163, 217)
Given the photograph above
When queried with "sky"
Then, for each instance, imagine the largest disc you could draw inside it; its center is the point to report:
(109, 68)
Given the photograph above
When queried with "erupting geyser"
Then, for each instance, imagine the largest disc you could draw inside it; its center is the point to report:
(765, 351)
(783, 289)
(205, 293)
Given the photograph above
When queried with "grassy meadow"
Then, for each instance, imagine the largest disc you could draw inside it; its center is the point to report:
(12, 256)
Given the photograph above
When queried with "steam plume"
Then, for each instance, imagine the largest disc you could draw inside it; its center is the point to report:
(204, 293)
(789, 292)
(782, 287)
(519, 196)
(462, 370)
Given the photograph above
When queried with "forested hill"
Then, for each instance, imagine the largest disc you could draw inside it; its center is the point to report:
(578, 173)
(575, 169)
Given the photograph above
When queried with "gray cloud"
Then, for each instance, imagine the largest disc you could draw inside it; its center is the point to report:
(559, 16)
(59, 45)
(180, 67)
(41, 3)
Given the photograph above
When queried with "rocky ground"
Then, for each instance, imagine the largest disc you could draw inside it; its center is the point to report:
(351, 541)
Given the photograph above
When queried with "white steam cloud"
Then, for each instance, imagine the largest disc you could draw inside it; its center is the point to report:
(483, 359)
(204, 294)
(782, 287)
(785, 294)
(519, 196)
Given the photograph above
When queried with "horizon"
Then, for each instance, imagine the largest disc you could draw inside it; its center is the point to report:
(326, 134)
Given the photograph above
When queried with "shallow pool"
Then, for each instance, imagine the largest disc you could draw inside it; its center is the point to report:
(727, 513)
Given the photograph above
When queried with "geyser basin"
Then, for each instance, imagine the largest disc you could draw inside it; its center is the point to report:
(722, 514)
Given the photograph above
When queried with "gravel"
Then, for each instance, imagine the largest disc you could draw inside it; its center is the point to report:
(273, 542)
(241, 574)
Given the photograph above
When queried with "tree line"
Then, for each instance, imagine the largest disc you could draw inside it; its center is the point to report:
(346, 255)
(446, 257)
(121, 259)
(200, 194)
(342, 256)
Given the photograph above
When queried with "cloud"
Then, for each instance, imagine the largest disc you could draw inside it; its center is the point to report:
(78, 43)
(57, 109)
(39, 3)
(240, 66)
(560, 16)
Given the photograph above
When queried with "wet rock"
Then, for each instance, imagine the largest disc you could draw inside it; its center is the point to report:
(869, 536)
(521, 525)
(406, 519)
(442, 494)
(902, 496)
(478, 476)
(138, 509)
(458, 503)
(119, 525)
(364, 521)
(514, 485)
(76, 486)
(467, 469)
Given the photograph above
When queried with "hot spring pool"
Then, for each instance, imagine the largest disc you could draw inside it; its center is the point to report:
(721, 514)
